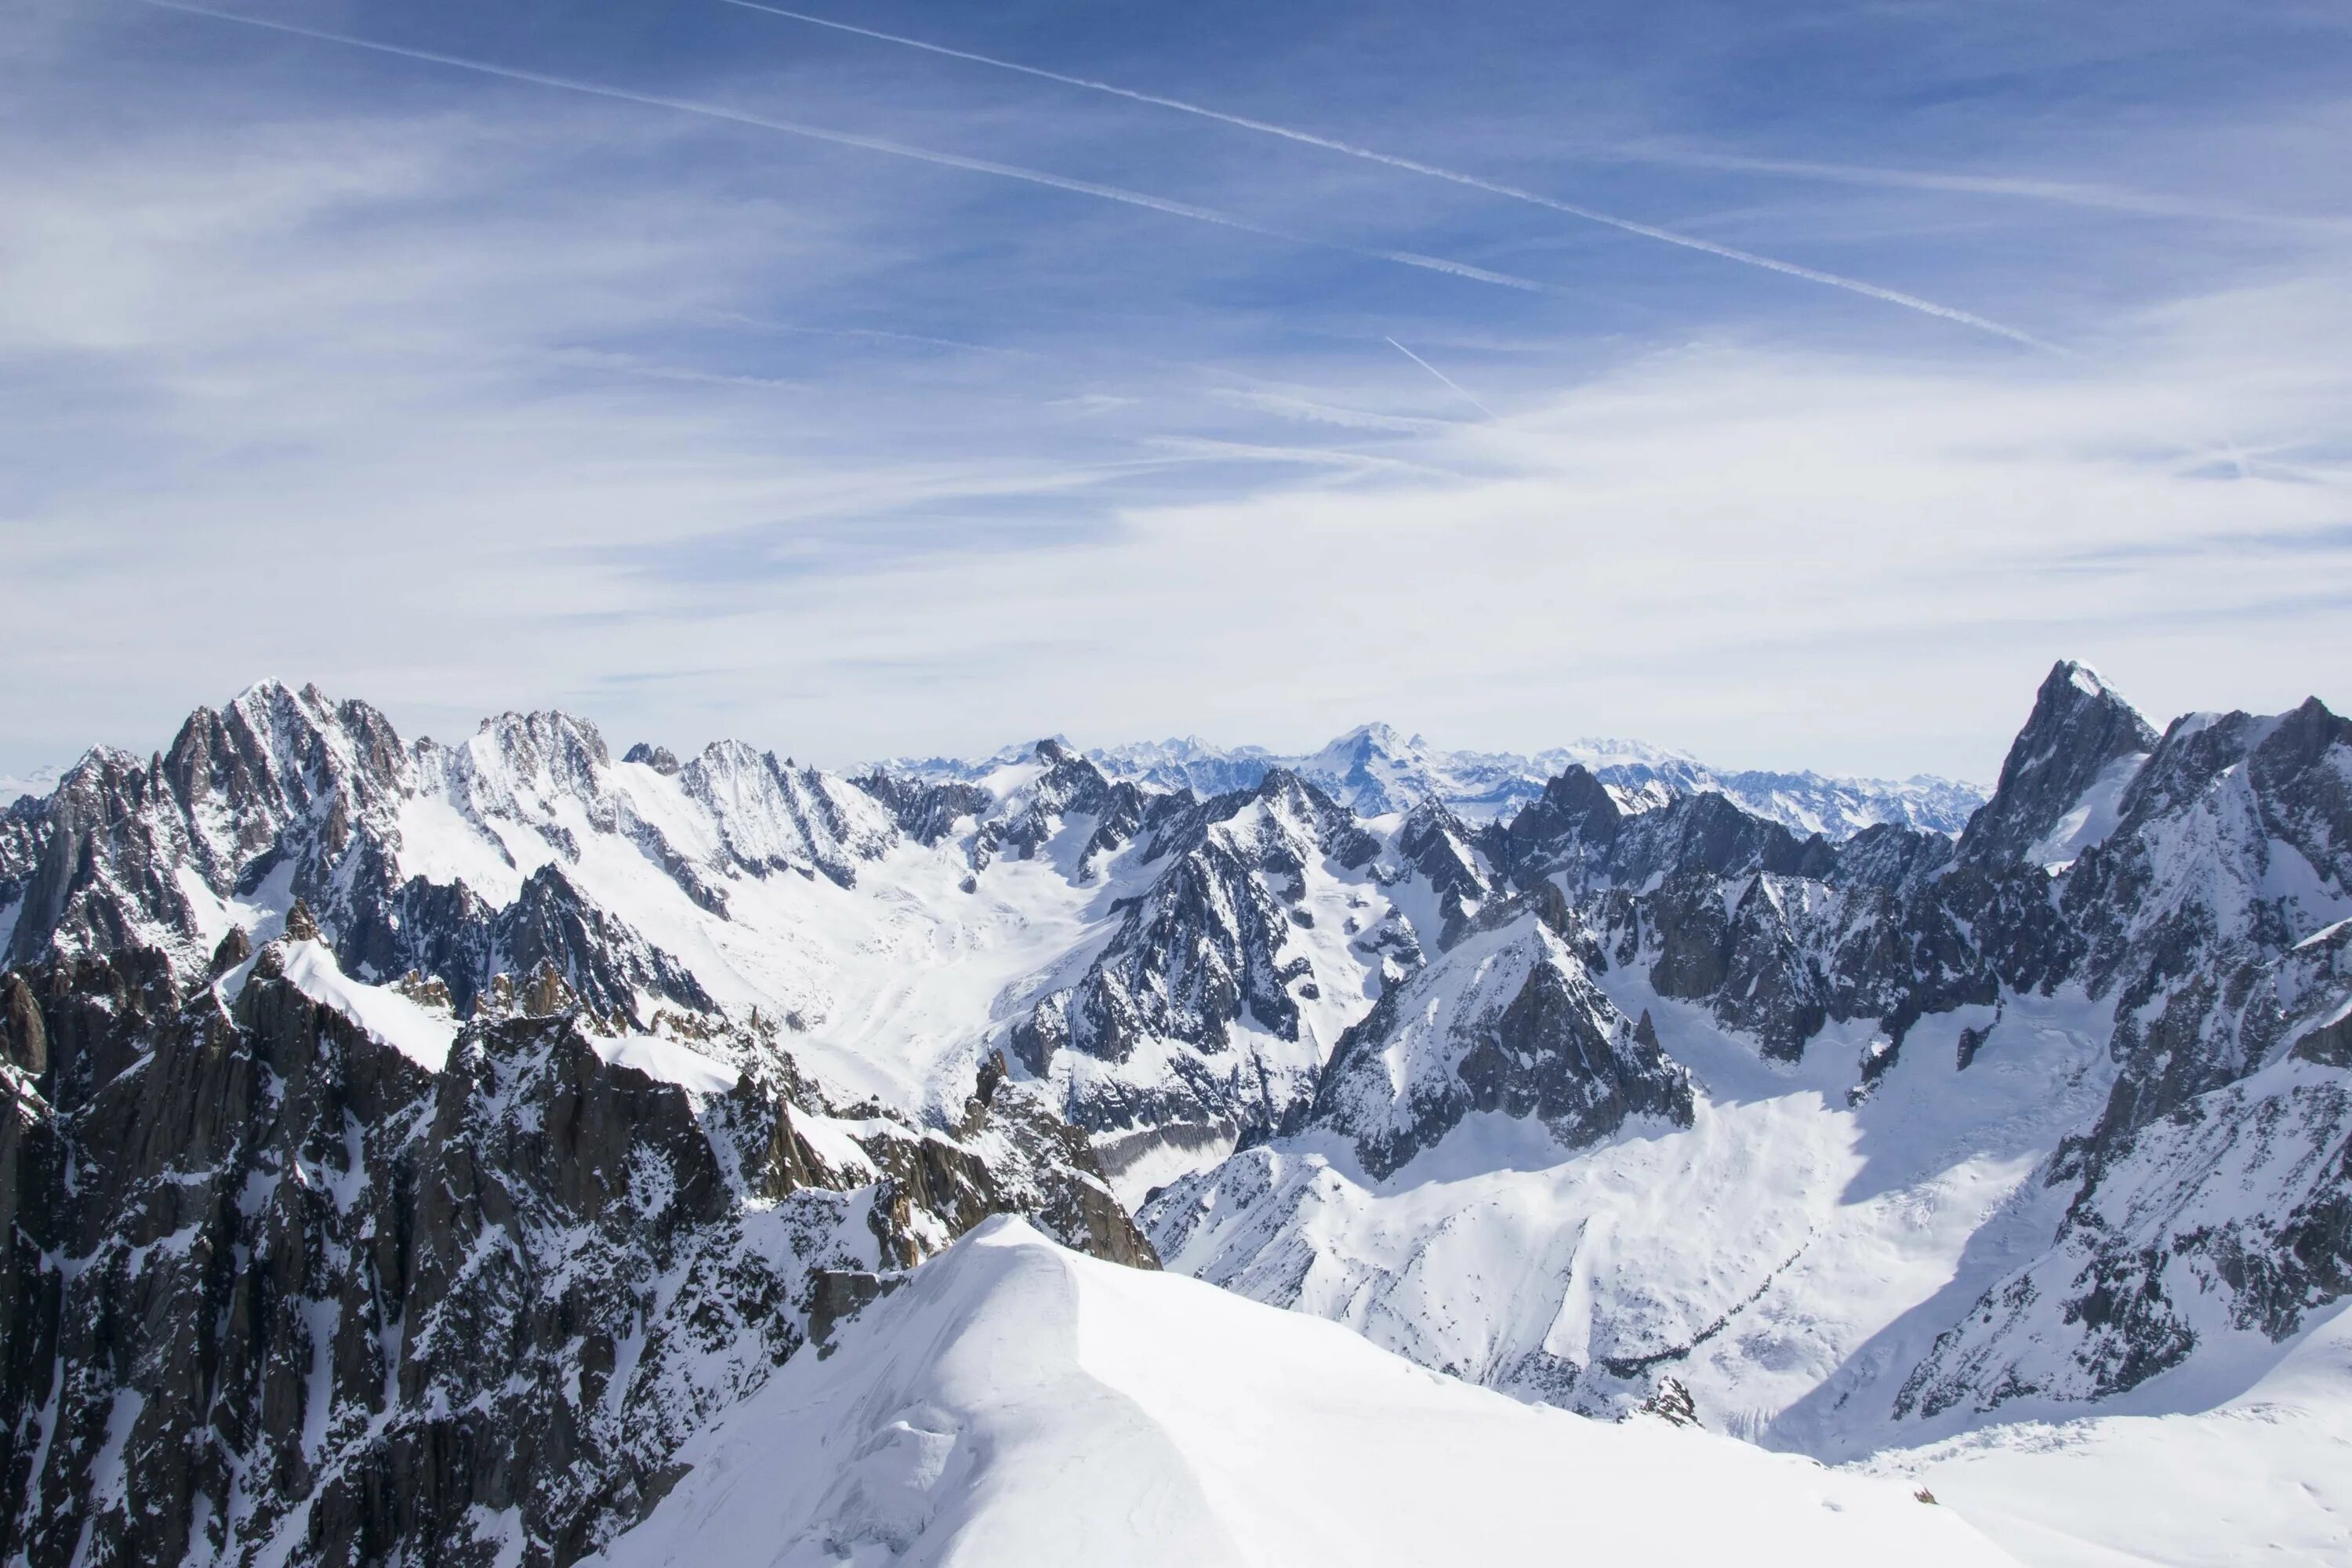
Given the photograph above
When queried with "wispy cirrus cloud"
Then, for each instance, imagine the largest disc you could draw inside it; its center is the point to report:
(1419, 166)
(457, 392)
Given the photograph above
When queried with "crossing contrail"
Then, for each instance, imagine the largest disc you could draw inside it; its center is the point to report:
(1460, 390)
(876, 144)
(1414, 165)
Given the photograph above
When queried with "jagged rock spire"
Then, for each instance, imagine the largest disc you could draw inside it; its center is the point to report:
(2080, 729)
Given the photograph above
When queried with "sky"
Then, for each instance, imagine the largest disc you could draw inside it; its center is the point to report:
(1787, 383)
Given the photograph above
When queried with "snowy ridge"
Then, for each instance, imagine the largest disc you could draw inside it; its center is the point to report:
(1018, 1403)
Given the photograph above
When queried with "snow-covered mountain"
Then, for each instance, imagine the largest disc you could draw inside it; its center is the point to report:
(1374, 770)
(487, 1123)
(1971, 1135)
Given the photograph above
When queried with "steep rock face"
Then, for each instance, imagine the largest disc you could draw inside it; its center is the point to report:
(2231, 1217)
(925, 811)
(1711, 833)
(1578, 832)
(1572, 828)
(2211, 1194)
(1168, 977)
(1506, 1022)
(450, 935)
(2077, 752)
(1782, 935)
(1719, 906)
(1022, 807)
(1066, 786)
(278, 788)
(1441, 849)
(276, 1292)
(457, 862)
(1208, 956)
(2234, 846)
(772, 816)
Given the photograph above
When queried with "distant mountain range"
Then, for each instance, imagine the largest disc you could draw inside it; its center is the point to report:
(1374, 770)
(38, 782)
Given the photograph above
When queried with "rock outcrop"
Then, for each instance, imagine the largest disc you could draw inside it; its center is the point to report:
(273, 1292)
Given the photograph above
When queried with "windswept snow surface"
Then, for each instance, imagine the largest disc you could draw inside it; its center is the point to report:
(2264, 1477)
(1016, 1404)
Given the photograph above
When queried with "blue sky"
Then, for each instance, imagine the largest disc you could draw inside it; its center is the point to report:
(855, 398)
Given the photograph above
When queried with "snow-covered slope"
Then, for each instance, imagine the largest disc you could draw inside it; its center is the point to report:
(1782, 1238)
(1017, 1403)
(2208, 1474)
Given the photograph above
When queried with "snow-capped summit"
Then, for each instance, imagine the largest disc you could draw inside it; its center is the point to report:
(2064, 775)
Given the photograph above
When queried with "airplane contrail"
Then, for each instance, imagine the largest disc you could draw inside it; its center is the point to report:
(1414, 165)
(2062, 192)
(1460, 390)
(876, 144)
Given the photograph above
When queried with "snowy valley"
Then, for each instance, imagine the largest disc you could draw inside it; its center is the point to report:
(512, 1152)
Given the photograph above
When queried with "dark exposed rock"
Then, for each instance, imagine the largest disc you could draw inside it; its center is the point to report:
(2078, 730)
(2193, 901)
(300, 1295)
(2330, 1045)
(446, 932)
(1670, 1401)
(1890, 858)
(1440, 845)
(1508, 1022)
(23, 1038)
(925, 813)
(1198, 957)
(232, 950)
(1573, 822)
(657, 758)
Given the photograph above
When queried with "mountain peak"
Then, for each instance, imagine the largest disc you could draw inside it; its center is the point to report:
(1375, 735)
(2080, 675)
(2071, 763)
